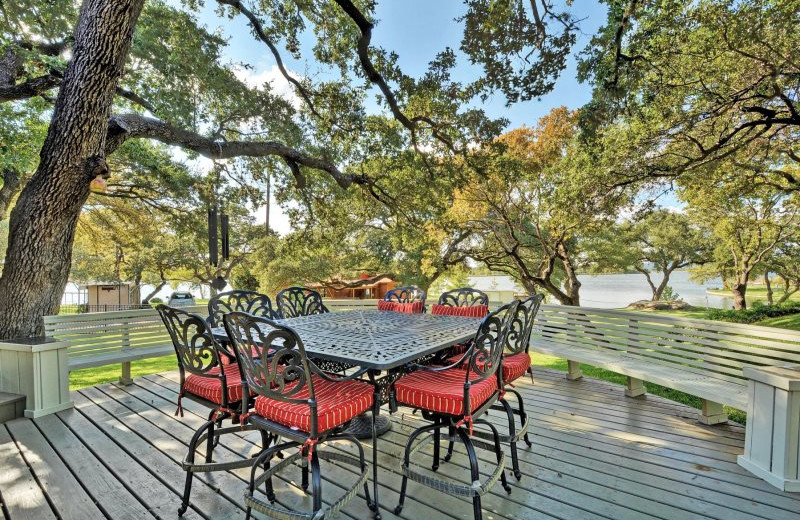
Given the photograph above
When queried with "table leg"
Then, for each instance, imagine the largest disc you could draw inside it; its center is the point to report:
(376, 409)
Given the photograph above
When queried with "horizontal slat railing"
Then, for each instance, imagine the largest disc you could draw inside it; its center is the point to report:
(718, 347)
(111, 337)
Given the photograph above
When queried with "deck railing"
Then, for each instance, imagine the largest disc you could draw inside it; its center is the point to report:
(122, 336)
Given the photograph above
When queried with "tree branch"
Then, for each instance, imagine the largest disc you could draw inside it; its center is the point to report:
(131, 126)
(30, 88)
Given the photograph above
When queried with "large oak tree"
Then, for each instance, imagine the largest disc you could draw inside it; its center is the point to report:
(163, 79)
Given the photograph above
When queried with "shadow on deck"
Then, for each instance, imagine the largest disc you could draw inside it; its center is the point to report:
(596, 454)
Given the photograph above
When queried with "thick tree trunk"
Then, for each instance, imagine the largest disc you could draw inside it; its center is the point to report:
(43, 221)
(768, 285)
(739, 291)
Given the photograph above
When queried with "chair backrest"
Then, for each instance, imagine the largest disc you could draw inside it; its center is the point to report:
(246, 301)
(299, 301)
(488, 345)
(282, 369)
(464, 297)
(408, 294)
(519, 333)
(194, 344)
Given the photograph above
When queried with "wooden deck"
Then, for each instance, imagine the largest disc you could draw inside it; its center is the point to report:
(596, 454)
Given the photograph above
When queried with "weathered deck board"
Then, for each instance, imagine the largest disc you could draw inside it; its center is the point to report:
(596, 454)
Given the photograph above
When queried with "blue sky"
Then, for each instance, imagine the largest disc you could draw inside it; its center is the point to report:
(416, 30)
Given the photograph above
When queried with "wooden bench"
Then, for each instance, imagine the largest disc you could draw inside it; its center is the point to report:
(105, 338)
(700, 357)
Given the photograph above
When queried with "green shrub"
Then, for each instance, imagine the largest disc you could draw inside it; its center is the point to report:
(756, 313)
(669, 294)
(155, 301)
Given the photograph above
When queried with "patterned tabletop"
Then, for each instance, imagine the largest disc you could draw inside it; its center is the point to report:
(376, 339)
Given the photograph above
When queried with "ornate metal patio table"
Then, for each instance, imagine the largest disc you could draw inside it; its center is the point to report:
(381, 341)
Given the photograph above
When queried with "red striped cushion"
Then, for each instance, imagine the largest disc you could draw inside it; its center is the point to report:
(337, 403)
(476, 311)
(408, 308)
(442, 391)
(210, 388)
(514, 366)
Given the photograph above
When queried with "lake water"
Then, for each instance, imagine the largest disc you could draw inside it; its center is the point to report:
(609, 291)
(606, 291)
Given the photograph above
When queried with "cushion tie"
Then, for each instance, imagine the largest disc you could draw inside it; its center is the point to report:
(309, 443)
(221, 410)
(243, 418)
(467, 420)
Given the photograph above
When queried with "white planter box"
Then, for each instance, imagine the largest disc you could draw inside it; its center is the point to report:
(772, 442)
(37, 369)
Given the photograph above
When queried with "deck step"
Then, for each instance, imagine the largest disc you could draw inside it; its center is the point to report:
(12, 406)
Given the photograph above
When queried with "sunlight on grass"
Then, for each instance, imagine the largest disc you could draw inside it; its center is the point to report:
(109, 373)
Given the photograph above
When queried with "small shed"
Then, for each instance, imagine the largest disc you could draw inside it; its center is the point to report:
(108, 296)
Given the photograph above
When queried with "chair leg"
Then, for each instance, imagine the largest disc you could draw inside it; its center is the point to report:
(316, 481)
(436, 448)
(473, 469)
(523, 416)
(187, 488)
(304, 470)
(450, 433)
(376, 408)
(512, 430)
(406, 457)
(262, 460)
(530, 372)
(210, 442)
(498, 451)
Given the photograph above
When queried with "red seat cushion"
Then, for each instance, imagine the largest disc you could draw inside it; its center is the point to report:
(210, 387)
(408, 308)
(442, 391)
(514, 366)
(476, 311)
(337, 403)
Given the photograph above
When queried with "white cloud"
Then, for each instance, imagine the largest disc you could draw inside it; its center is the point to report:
(278, 84)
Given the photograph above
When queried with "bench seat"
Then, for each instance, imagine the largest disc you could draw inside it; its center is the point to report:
(677, 377)
(700, 357)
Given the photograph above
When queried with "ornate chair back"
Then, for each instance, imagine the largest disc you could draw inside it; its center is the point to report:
(245, 301)
(487, 347)
(281, 375)
(521, 326)
(195, 347)
(299, 301)
(464, 297)
(408, 294)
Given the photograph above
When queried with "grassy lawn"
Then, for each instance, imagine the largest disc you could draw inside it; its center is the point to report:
(108, 373)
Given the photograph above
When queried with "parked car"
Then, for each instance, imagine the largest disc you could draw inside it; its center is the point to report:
(180, 299)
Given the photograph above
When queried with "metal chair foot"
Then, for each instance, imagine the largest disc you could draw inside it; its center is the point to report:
(182, 509)
(398, 510)
(507, 487)
(435, 467)
(518, 475)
